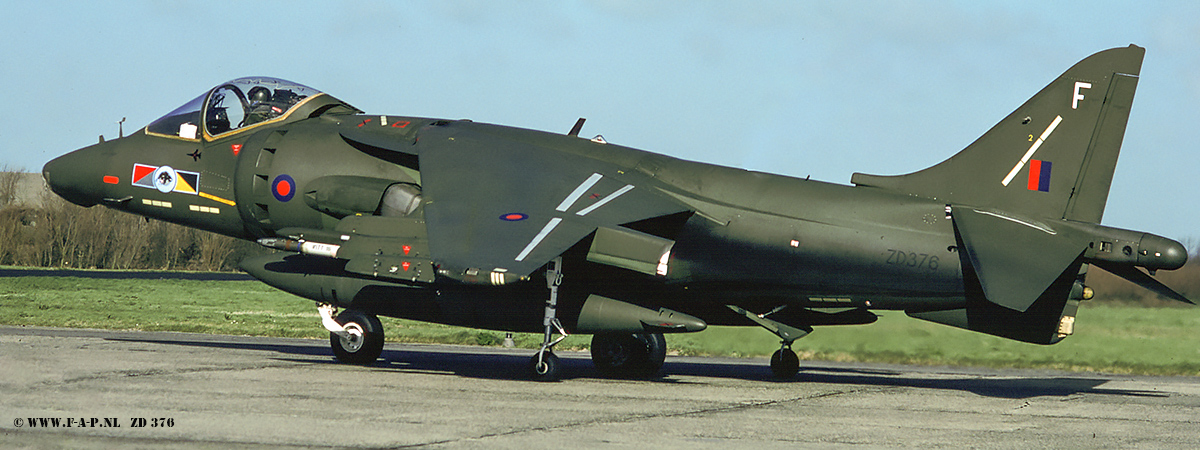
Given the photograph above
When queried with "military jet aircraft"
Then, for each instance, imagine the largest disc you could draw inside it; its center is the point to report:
(487, 226)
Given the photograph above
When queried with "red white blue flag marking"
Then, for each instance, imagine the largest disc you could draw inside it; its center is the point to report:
(1039, 175)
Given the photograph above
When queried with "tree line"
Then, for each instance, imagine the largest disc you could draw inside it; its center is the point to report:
(55, 233)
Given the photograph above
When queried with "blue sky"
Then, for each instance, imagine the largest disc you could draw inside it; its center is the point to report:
(820, 89)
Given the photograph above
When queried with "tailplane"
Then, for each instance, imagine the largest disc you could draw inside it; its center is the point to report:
(1052, 158)
(1026, 200)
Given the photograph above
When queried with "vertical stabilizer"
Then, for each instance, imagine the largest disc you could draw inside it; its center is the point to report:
(1051, 158)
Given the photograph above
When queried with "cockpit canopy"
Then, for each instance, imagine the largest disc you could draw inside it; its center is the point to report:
(232, 106)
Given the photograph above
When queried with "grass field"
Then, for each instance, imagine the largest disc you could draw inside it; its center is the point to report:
(1109, 338)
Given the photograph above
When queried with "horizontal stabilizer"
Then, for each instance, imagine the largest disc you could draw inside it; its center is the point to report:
(1136, 276)
(1015, 259)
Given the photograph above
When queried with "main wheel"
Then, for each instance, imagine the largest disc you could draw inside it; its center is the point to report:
(633, 355)
(784, 363)
(545, 370)
(365, 342)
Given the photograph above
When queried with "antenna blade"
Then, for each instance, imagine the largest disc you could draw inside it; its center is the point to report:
(577, 128)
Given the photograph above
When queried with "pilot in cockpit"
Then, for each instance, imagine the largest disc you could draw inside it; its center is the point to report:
(261, 106)
(253, 101)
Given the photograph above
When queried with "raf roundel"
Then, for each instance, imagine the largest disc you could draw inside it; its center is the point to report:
(283, 188)
(514, 217)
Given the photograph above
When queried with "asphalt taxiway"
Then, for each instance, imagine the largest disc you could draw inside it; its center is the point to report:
(248, 392)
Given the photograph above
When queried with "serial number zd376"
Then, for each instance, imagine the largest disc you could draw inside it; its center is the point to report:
(913, 260)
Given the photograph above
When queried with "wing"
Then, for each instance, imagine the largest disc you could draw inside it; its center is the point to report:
(507, 201)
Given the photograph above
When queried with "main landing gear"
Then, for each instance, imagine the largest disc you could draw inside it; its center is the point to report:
(636, 355)
(784, 362)
(356, 337)
(629, 355)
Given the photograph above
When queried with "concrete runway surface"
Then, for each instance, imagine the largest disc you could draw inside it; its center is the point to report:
(248, 392)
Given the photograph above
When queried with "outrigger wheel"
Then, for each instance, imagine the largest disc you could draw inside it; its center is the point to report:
(544, 367)
(784, 363)
(362, 343)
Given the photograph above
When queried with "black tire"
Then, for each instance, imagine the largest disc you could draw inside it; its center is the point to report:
(633, 355)
(548, 368)
(361, 350)
(785, 364)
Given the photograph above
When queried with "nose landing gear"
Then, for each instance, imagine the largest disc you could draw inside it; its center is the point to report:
(355, 337)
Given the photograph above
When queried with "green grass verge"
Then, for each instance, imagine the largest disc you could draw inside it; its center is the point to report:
(1109, 338)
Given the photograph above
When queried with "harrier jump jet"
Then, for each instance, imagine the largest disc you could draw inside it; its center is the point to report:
(487, 226)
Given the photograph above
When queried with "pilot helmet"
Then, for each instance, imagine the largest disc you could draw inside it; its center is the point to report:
(259, 94)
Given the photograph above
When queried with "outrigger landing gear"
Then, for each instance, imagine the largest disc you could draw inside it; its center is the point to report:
(356, 337)
(784, 362)
(545, 365)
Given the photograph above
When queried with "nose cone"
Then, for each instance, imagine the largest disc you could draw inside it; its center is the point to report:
(76, 177)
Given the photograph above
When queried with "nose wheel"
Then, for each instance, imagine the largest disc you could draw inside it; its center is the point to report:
(355, 337)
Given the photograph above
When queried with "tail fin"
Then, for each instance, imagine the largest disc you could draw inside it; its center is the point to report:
(1051, 158)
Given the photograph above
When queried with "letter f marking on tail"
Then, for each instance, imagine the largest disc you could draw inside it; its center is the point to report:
(1079, 95)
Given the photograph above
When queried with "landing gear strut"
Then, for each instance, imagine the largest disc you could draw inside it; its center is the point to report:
(545, 365)
(356, 337)
(784, 362)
